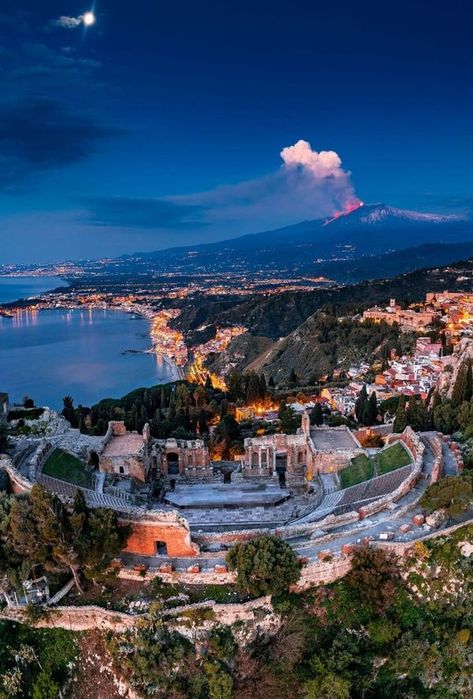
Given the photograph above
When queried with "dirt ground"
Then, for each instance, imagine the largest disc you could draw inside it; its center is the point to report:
(95, 594)
(94, 677)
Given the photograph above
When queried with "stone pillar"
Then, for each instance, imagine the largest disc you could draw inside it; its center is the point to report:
(306, 424)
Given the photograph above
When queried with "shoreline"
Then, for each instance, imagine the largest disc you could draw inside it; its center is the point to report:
(146, 313)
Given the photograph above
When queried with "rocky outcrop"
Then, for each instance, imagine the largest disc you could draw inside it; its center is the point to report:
(462, 354)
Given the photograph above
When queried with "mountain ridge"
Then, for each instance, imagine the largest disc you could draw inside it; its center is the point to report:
(301, 248)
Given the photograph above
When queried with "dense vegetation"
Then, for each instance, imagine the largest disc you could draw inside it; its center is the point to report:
(185, 411)
(39, 534)
(34, 663)
(388, 630)
(265, 566)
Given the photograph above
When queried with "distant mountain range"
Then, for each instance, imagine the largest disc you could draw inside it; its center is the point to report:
(349, 247)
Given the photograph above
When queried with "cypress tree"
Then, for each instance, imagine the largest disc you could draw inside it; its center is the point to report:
(460, 387)
(400, 421)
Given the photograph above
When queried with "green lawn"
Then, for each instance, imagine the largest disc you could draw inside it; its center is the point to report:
(392, 458)
(360, 469)
(69, 468)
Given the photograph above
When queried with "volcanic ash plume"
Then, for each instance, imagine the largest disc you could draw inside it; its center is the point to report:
(326, 165)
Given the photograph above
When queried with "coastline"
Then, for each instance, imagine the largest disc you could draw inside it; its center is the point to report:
(38, 304)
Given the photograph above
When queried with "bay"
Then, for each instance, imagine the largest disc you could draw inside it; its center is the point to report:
(83, 353)
(15, 288)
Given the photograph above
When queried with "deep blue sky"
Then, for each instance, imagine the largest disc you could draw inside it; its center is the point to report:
(177, 98)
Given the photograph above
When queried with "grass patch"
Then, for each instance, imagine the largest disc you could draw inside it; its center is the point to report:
(67, 467)
(359, 470)
(392, 458)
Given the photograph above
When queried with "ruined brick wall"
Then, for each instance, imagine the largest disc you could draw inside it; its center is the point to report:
(409, 439)
(192, 455)
(328, 462)
(124, 465)
(164, 527)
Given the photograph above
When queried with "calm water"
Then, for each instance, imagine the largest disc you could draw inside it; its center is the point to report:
(14, 288)
(50, 354)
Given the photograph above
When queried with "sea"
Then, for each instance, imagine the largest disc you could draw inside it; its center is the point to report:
(15, 288)
(87, 354)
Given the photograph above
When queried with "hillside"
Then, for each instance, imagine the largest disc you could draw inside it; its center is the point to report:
(317, 343)
(276, 316)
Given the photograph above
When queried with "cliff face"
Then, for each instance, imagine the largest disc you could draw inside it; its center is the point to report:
(462, 354)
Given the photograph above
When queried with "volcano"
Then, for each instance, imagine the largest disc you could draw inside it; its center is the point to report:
(303, 248)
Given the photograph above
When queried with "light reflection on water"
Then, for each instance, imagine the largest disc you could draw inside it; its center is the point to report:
(50, 354)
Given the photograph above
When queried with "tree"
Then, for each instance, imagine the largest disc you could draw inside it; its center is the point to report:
(417, 415)
(3, 438)
(265, 566)
(444, 417)
(469, 382)
(46, 533)
(98, 538)
(400, 420)
(373, 580)
(68, 411)
(316, 415)
(45, 687)
(202, 423)
(253, 388)
(263, 389)
(293, 380)
(288, 418)
(360, 403)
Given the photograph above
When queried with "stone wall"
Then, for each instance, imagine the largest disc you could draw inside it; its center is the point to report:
(410, 440)
(261, 452)
(96, 618)
(191, 455)
(18, 484)
(126, 465)
(165, 527)
(38, 459)
(323, 572)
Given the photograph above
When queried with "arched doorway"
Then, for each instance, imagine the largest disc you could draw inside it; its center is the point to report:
(281, 468)
(161, 548)
(173, 464)
(94, 459)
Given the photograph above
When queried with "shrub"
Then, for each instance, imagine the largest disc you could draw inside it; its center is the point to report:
(265, 566)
